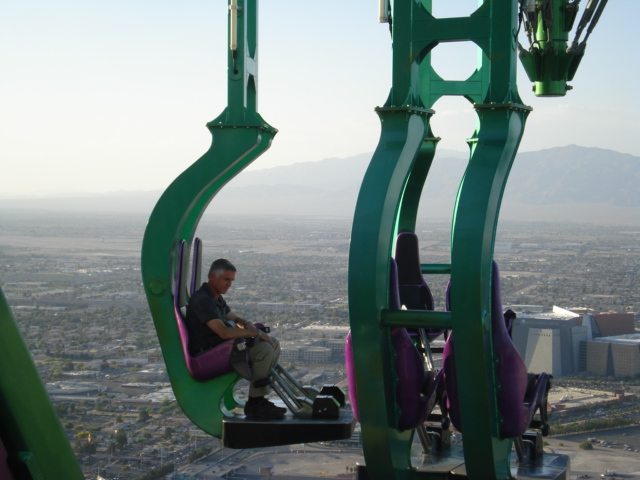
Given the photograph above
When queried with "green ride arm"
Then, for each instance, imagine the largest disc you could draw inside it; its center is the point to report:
(240, 135)
(29, 425)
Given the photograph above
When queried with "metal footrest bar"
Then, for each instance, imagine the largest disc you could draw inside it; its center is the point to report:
(305, 401)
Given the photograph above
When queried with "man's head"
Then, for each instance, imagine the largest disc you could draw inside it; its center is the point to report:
(222, 273)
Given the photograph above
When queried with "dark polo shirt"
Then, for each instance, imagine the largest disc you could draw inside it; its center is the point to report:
(202, 307)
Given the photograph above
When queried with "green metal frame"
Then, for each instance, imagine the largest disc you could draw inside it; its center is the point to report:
(548, 62)
(388, 204)
(240, 135)
(29, 427)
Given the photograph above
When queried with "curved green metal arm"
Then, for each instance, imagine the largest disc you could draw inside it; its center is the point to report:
(373, 233)
(29, 426)
(240, 135)
(473, 238)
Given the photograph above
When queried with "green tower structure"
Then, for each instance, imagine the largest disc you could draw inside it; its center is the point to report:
(33, 445)
(388, 204)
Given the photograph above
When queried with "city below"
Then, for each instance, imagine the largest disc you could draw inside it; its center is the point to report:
(74, 285)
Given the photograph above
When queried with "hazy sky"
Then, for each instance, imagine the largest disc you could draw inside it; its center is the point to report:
(98, 96)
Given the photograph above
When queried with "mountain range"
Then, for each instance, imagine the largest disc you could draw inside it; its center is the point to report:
(569, 183)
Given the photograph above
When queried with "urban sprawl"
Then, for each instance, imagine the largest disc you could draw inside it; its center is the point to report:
(75, 288)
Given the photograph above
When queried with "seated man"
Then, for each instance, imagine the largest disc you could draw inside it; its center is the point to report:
(210, 322)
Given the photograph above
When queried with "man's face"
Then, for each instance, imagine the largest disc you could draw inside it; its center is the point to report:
(220, 283)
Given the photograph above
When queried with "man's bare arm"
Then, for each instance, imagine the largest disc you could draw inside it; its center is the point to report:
(226, 332)
(241, 322)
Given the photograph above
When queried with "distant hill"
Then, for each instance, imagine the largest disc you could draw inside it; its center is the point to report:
(575, 174)
(563, 183)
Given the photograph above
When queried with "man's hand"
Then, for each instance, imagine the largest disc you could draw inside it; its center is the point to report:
(249, 326)
(241, 322)
(266, 338)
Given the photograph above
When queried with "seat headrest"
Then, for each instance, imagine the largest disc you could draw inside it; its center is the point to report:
(408, 257)
(394, 291)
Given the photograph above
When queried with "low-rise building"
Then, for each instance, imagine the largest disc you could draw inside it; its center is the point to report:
(550, 342)
(617, 356)
(316, 355)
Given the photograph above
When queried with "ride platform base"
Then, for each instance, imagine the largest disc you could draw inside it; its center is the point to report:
(550, 467)
(241, 432)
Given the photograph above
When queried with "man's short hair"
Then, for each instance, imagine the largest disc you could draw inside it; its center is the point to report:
(221, 265)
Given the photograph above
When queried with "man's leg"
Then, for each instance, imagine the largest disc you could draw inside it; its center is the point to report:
(263, 357)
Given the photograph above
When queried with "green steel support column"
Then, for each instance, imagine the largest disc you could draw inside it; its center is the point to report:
(29, 427)
(405, 125)
(240, 135)
(403, 131)
(501, 119)
(415, 183)
(474, 227)
(388, 203)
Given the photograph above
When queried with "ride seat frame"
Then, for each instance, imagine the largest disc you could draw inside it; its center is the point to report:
(521, 395)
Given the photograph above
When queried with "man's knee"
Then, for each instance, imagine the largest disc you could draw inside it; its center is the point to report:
(263, 350)
(276, 351)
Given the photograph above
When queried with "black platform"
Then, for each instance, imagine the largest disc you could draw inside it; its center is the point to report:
(240, 432)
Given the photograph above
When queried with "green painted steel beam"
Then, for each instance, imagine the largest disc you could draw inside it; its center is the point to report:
(388, 203)
(374, 230)
(239, 136)
(436, 268)
(469, 88)
(416, 319)
(415, 182)
(29, 427)
(430, 30)
(475, 222)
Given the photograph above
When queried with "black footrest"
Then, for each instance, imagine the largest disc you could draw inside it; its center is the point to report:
(542, 426)
(441, 436)
(240, 432)
(335, 391)
(325, 406)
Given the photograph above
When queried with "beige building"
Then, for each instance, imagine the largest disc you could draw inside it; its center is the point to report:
(616, 356)
(543, 351)
(597, 357)
(564, 342)
(316, 355)
(337, 347)
(290, 353)
(550, 342)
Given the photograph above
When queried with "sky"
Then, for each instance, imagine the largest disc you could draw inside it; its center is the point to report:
(103, 96)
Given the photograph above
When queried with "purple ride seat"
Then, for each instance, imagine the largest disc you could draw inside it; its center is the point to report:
(414, 291)
(416, 393)
(212, 363)
(196, 266)
(5, 471)
(520, 394)
(351, 376)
